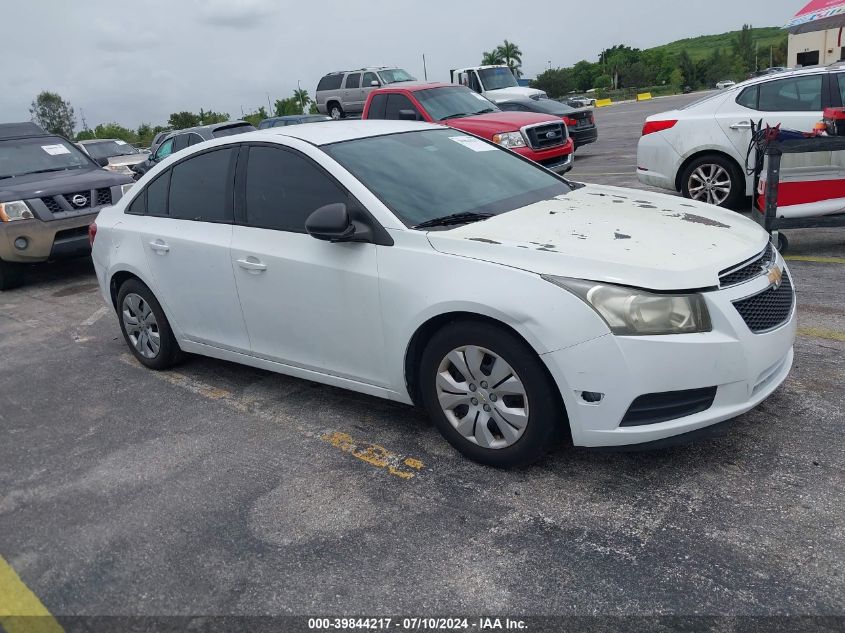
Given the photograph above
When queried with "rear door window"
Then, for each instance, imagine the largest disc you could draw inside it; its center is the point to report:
(201, 187)
(157, 195)
(748, 98)
(353, 81)
(796, 94)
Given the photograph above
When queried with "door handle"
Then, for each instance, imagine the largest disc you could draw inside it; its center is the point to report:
(159, 246)
(742, 125)
(252, 265)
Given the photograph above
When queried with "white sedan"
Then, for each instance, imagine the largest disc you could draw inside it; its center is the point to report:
(700, 150)
(416, 263)
(727, 83)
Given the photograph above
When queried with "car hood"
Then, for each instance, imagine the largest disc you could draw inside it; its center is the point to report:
(615, 235)
(494, 122)
(516, 91)
(130, 159)
(58, 182)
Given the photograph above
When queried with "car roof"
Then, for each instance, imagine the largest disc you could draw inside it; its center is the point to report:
(795, 72)
(336, 131)
(414, 86)
(25, 129)
(97, 140)
(358, 70)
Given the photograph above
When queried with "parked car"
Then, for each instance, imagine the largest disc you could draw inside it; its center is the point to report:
(178, 140)
(292, 119)
(579, 101)
(113, 154)
(494, 82)
(346, 92)
(538, 137)
(700, 150)
(50, 192)
(517, 307)
(579, 121)
(727, 83)
(157, 140)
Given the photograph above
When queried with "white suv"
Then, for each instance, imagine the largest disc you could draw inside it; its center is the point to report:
(700, 150)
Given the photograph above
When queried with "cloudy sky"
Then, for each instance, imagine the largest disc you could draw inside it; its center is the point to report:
(128, 62)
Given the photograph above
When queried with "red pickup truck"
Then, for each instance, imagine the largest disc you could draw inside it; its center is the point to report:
(538, 137)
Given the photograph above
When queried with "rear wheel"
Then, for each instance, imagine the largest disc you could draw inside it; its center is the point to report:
(11, 275)
(714, 179)
(335, 111)
(489, 394)
(145, 327)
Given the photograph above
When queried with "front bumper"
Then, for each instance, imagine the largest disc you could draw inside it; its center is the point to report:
(56, 239)
(557, 159)
(744, 367)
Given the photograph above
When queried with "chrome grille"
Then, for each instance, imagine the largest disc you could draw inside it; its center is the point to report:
(768, 309)
(545, 135)
(749, 269)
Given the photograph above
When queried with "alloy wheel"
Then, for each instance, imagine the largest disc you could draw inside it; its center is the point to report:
(335, 113)
(482, 397)
(141, 325)
(710, 183)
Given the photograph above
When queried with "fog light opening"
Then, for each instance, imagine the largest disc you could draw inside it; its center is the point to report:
(592, 397)
(21, 243)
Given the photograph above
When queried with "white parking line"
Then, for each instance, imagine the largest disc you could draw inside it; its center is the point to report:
(99, 314)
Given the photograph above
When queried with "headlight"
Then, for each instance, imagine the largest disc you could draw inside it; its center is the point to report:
(17, 210)
(125, 188)
(509, 139)
(633, 312)
(120, 169)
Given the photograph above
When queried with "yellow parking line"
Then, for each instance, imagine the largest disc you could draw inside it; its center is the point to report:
(20, 610)
(818, 260)
(819, 332)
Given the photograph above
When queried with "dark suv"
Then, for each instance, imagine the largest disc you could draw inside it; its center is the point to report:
(180, 139)
(50, 192)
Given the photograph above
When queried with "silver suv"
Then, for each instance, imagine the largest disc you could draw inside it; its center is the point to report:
(346, 92)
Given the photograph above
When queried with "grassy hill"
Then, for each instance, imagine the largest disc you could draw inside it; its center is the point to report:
(702, 46)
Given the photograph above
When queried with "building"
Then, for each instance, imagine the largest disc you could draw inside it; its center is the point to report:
(815, 48)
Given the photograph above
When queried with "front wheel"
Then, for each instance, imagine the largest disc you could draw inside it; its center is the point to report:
(145, 327)
(715, 180)
(489, 394)
(336, 112)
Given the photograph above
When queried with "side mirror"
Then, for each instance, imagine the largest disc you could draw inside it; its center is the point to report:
(407, 115)
(102, 162)
(374, 83)
(331, 223)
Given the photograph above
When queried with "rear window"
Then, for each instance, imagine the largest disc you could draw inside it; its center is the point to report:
(107, 149)
(330, 82)
(231, 130)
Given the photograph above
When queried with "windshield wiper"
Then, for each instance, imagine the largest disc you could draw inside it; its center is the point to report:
(457, 115)
(455, 218)
(485, 111)
(44, 171)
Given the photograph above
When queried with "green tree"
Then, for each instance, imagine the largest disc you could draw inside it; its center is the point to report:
(555, 82)
(743, 48)
(85, 135)
(301, 95)
(209, 117)
(182, 120)
(512, 56)
(603, 82)
(254, 118)
(687, 68)
(491, 58)
(312, 109)
(584, 75)
(676, 79)
(53, 114)
(287, 106)
(114, 130)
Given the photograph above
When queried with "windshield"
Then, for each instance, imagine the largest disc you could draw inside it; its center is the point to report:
(36, 155)
(452, 101)
(497, 78)
(107, 149)
(394, 76)
(430, 174)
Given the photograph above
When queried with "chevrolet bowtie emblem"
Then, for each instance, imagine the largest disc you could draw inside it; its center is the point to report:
(775, 277)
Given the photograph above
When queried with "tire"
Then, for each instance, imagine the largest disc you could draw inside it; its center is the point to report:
(464, 407)
(718, 170)
(11, 275)
(783, 243)
(335, 111)
(135, 304)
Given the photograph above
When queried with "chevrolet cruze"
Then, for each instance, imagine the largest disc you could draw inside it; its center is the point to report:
(427, 266)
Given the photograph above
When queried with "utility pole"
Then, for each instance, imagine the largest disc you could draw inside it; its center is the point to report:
(299, 92)
(771, 55)
(550, 64)
(425, 70)
(270, 108)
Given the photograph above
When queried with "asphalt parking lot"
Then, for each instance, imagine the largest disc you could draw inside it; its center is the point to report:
(219, 489)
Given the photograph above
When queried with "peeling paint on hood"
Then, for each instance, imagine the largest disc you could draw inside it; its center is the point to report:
(615, 235)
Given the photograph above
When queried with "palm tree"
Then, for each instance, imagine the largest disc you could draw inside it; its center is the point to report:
(512, 56)
(301, 95)
(493, 58)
